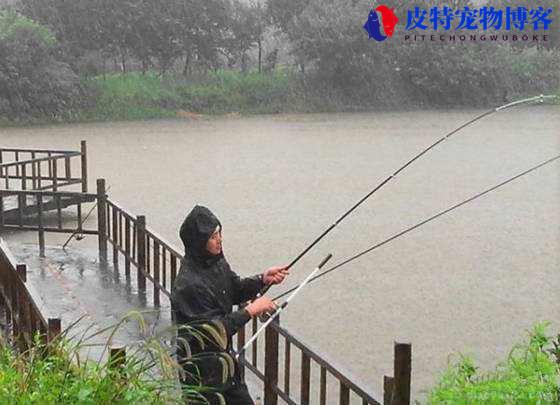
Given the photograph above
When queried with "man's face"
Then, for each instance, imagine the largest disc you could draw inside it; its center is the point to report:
(214, 244)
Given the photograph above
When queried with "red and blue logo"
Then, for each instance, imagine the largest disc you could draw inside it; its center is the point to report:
(381, 23)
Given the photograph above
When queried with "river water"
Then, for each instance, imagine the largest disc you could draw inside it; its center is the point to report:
(472, 281)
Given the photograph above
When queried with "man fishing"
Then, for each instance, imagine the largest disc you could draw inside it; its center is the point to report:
(203, 294)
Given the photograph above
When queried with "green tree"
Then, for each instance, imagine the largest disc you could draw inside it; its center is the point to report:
(33, 81)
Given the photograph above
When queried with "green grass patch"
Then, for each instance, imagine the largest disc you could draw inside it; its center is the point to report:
(60, 373)
(136, 96)
(529, 375)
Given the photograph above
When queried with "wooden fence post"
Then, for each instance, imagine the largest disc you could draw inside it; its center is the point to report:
(271, 364)
(41, 228)
(22, 272)
(240, 344)
(117, 358)
(402, 370)
(83, 150)
(54, 326)
(102, 219)
(115, 234)
(141, 245)
(387, 390)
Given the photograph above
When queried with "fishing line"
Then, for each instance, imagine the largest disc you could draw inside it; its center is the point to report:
(407, 230)
(80, 225)
(538, 99)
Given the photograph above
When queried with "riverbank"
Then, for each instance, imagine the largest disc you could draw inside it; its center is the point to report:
(140, 96)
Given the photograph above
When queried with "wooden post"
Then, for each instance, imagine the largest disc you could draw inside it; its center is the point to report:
(24, 177)
(271, 364)
(54, 325)
(55, 174)
(344, 394)
(117, 356)
(102, 219)
(305, 378)
(127, 249)
(387, 390)
(141, 243)
(240, 344)
(115, 234)
(83, 148)
(402, 369)
(22, 272)
(41, 228)
(156, 274)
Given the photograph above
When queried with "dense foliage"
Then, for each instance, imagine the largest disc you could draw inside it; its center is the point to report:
(530, 375)
(332, 63)
(74, 368)
(33, 79)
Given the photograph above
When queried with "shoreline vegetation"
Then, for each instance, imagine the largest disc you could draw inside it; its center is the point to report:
(97, 60)
(140, 96)
(529, 375)
(59, 374)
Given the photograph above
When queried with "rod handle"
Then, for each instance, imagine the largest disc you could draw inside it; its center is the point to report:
(325, 260)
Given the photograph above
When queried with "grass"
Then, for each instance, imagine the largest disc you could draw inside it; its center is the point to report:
(134, 96)
(529, 375)
(58, 373)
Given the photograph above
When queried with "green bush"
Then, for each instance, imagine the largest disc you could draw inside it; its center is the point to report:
(530, 375)
(61, 372)
(33, 81)
(141, 96)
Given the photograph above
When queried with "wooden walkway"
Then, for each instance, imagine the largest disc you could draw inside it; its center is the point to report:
(135, 268)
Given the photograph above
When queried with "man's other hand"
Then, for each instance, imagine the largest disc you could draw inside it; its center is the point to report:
(260, 306)
(275, 275)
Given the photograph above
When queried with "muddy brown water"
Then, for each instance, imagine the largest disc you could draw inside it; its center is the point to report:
(472, 281)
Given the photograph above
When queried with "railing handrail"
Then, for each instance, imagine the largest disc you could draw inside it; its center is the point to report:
(338, 372)
(7, 257)
(161, 242)
(42, 159)
(49, 193)
(27, 150)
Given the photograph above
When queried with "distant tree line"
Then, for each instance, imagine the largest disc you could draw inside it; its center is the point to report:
(322, 42)
(156, 34)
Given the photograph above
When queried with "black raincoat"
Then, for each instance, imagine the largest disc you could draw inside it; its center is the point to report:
(207, 289)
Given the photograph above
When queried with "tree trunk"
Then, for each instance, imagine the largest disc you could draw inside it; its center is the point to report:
(123, 62)
(186, 67)
(259, 42)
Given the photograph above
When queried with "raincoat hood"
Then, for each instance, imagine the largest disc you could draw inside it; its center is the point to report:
(197, 228)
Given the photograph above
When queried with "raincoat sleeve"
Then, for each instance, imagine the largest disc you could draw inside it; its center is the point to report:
(198, 305)
(245, 289)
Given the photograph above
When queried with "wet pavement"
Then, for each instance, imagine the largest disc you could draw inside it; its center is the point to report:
(73, 285)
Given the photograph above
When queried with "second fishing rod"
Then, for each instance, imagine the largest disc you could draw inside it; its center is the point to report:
(538, 99)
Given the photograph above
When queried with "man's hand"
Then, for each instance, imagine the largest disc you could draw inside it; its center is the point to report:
(275, 275)
(260, 306)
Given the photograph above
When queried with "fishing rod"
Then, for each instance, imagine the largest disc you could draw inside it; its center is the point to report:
(538, 99)
(284, 304)
(419, 224)
(80, 225)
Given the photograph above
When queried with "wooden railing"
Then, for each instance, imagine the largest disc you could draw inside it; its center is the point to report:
(21, 314)
(27, 211)
(39, 169)
(157, 261)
